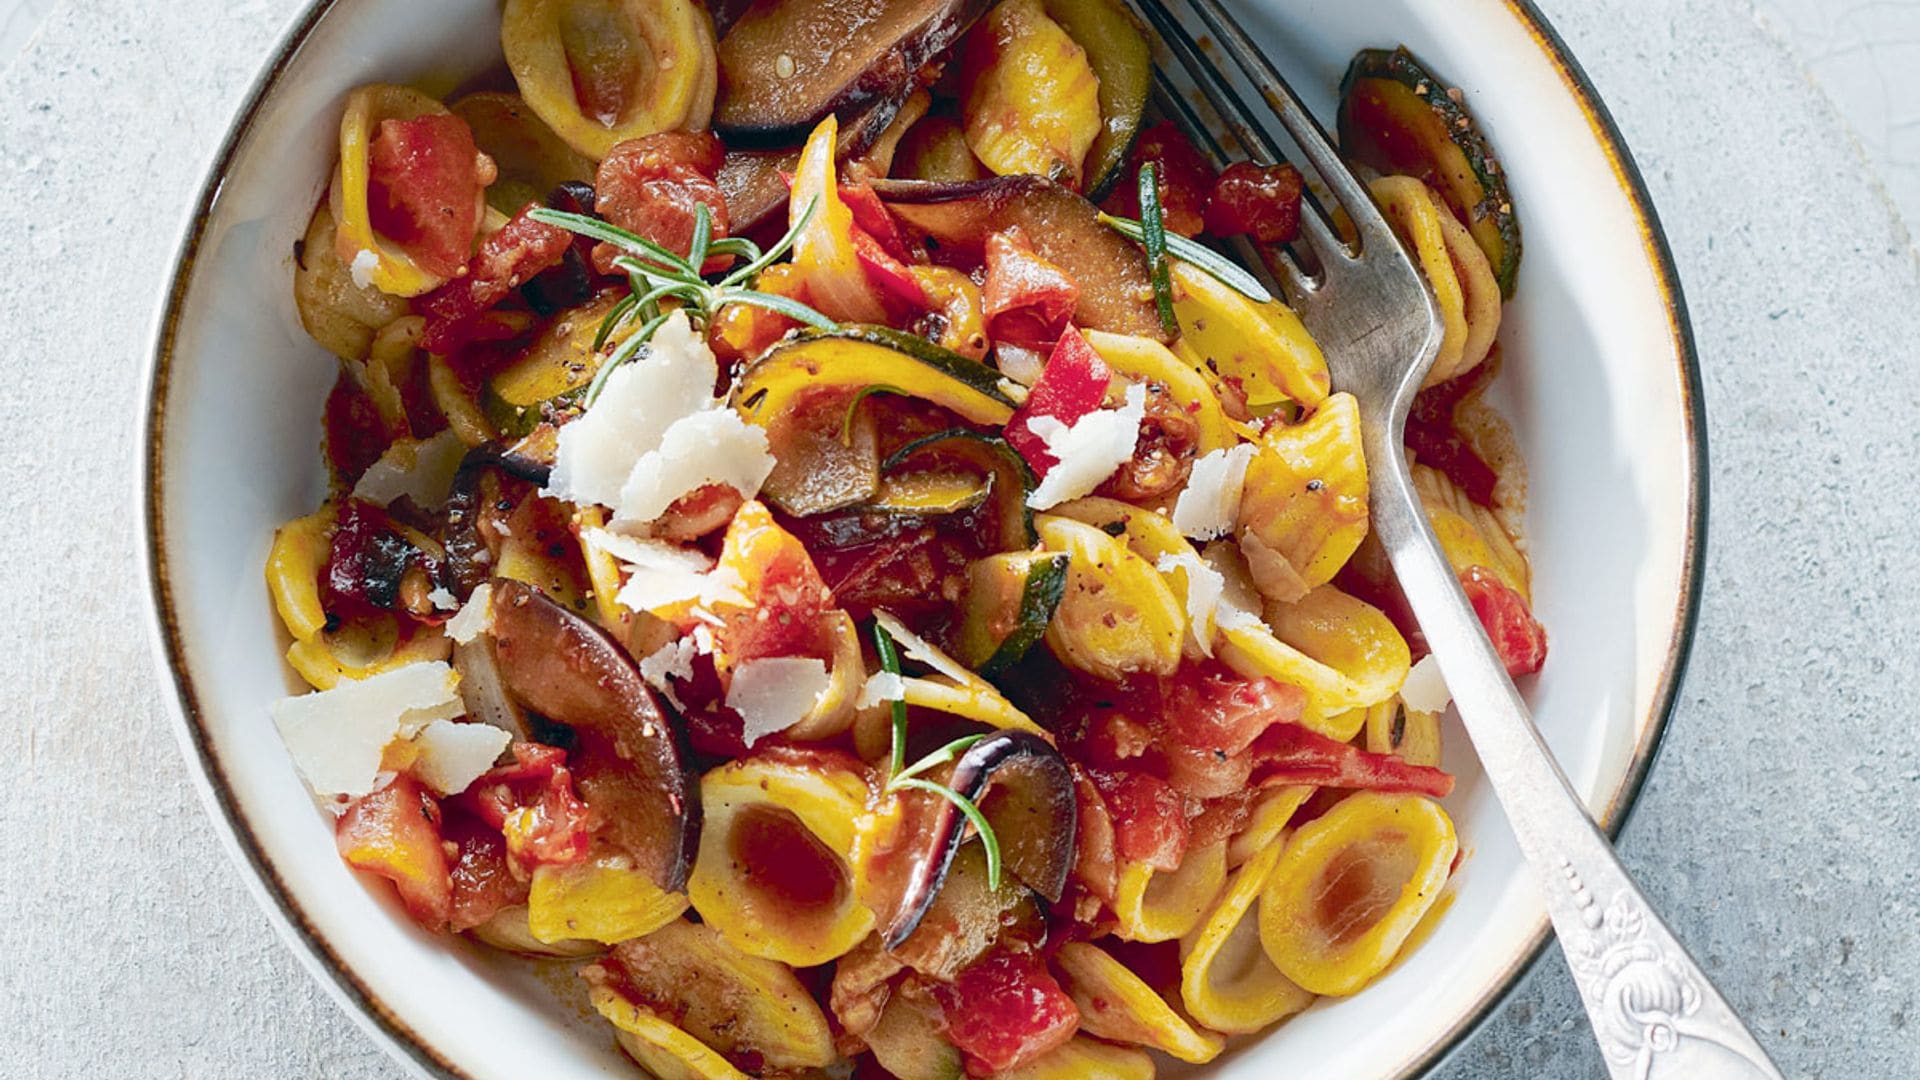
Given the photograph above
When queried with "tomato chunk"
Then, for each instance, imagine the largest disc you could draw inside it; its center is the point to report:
(654, 186)
(532, 804)
(1260, 201)
(506, 260)
(425, 176)
(395, 832)
(1073, 384)
(356, 433)
(483, 883)
(789, 600)
(1516, 634)
(1210, 706)
(1436, 440)
(1291, 754)
(366, 562)
(1149, 817)
(1004, 1010)
(1026, 299)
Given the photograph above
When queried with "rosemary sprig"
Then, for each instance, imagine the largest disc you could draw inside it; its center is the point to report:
(1197, 255)
(1153, 232)
(901, 776)
(661, 281)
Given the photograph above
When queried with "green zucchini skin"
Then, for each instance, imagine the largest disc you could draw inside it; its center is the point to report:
(1489, 213)
(1121, 58)
(1013, 478)
(1040, 597)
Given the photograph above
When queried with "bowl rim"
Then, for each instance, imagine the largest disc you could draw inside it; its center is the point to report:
(391, 1031)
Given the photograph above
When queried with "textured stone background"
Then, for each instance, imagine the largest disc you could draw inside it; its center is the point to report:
(1778, 832)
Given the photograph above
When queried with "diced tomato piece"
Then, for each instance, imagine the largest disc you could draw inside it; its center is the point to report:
(1026, 299)
(424, 181)
(366, 562)
(506, 260)
(1073, 384)
(900, 291)
(356, 434)
(1516, 634)
(532, 804)
(1149, 817)
(904, 565)
(789, 600)
(654, 185)
(1004, 1010)
(1210, 706)
(395, 832)
(483, 883)
(1437, 442)
(1291, 754)
(1259, 201)
(1184, 180)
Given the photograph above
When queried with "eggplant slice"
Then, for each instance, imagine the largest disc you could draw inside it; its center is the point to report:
(1116, 290)
(469, 558)
(786, 64)
(630, 761)
(1023, 787)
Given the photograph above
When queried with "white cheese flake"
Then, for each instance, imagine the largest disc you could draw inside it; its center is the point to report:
(918, 648)
(1238, 606)
(1426, 689)
(1204, 587)
(656, 432)
(1089, 451)
(443, 600)
(474, 617)
(882, 687)
(420, 469)
(1210, 503)
(364, 264)
(337, 737)
(674, 660)
(775, 693)
(451, 756)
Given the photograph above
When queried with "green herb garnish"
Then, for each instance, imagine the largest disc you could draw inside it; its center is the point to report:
(656, 275)
(901, 776)
(1153, 232)
(1199, 256)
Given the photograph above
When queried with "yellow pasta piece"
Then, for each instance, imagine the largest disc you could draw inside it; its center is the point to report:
(1267, 822)
(392, 271)
(1351, 885)
(1264, 348)
(1118, 616)
(1479, 292)
(1152, 536)
(1032, 101)
(510, 930)
(1146, 360)
(530, 158)
(1414, 214)
(1116, 1004)
(1226, 980)
(766, 814)
(1305, 497)
(450, 396)
(1353, 638)
(832, 712)
(362, 650)
(604, 900)
(721, 1001)
(1153, 905)
(338, 313)
(1469, 533)
(299, 553)
(651, 64)
(1085, 1059)
(1254, 651)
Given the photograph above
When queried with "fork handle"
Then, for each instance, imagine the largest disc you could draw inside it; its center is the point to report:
(1654, 1012)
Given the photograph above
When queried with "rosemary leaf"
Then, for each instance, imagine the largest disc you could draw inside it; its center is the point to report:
(752, 269)
(1200, 257)
(615, 316)
(633, 243)
(1153, 230)
(702, 237)
(966, 806)
(939, 757)
(621, 355)
(890, 663)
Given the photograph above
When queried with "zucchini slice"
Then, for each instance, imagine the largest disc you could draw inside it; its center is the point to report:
(927, 494)
(1119, 54)
(1397, 118)
(1010, 600)
(1011, 480)
(856, 357)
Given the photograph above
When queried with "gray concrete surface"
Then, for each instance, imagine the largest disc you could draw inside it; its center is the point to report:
(1778, 831)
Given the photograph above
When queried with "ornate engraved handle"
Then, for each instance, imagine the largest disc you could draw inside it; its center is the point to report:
(1654, 1013)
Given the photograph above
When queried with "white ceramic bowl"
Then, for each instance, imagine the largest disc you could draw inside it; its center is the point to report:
(1601, 383)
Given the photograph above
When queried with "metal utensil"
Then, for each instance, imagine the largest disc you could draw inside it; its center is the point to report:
(1654, 1012)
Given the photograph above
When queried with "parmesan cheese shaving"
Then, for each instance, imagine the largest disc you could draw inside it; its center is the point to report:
(451, 756)
(1238, 605)
(1426, 689)
(918, 648)
(474, 618)
(1205, 585)
(364, 264)
(882, 687)
(1089, 451)
(662, 574)
(656, 432)
(442, 600)
(420, 469)
(775, 693)
(337, 737)
(1210, 503)
(674, 660)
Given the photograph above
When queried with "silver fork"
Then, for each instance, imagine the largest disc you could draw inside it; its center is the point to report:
(1654, 1012)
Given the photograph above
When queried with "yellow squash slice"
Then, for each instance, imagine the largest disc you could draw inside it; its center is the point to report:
(1351, 886)
(1226, 980)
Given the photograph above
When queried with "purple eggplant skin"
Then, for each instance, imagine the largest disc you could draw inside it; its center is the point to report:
(1116, 287)
(786, 64)
(629, 760)
(469, 560)
(1024, 788)
(569, 284)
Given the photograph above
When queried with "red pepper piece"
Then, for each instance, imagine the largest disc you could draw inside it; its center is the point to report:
(1073, 384)
(1291, 754)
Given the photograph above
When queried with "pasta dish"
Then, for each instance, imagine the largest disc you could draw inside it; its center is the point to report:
(830, 535)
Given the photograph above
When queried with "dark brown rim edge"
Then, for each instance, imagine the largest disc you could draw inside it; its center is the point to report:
(372, 1014)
